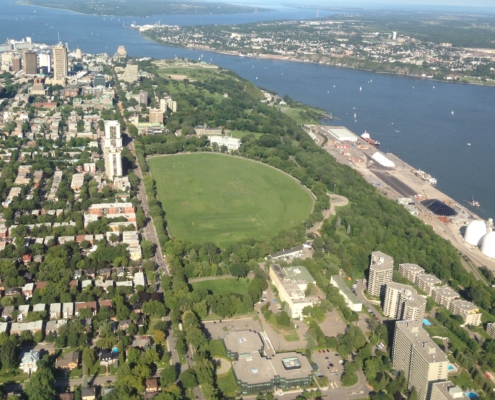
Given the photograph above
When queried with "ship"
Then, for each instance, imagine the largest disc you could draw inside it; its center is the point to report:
(426, 177)
(366, 137)
(473, 202)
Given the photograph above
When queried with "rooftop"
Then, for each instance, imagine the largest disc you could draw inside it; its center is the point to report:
(449, 390)
(412, 267)
(421, 341)
(341, 285)
(243, 342)
(381, 261)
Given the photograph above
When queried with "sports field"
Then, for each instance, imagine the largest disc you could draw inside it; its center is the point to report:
(224, 199)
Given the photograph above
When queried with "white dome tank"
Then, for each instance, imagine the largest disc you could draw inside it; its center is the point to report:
(474, 232)
(488, 245)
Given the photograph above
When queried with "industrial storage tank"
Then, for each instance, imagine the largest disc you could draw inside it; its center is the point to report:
(474, 232)
(488, 245)
(382, 160)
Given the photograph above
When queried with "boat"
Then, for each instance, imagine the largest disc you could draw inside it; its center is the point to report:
(473, 202)
(426, 177)
(366, 137)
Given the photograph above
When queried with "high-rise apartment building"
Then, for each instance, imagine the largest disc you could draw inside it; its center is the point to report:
(447, 391)
(112, 149)
(403, 302)
(60, 63)
(156, 116)
(16, 64)
(380, 273)
(490, 329)
(468, 311)
(131, 73)
(428, 282)
(99, 80)
(410, 271)
(30, 61)
(418, 356)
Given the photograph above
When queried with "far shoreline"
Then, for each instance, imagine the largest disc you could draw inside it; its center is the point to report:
(276, 58)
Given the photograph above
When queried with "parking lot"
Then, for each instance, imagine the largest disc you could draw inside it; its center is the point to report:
(329, 366)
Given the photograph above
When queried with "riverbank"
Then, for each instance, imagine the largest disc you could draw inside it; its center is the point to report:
(328, 62)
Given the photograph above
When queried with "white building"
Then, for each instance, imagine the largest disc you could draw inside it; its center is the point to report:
(291, 283)
(230, 142)
(112, 149)
(29, 362)
(351, 300)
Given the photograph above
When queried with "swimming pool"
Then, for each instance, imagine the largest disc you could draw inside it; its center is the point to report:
(472, 395)
(426, 322)
(450, 367)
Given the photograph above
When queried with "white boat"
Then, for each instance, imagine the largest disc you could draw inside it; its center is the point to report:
(452, 112)
(469, 144)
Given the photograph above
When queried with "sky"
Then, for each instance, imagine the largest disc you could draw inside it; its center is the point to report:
(370, 3)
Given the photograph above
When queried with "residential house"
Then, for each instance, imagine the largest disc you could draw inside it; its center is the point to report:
(88, 393)
(29, 362)
(55, 310)
(27, 290)
(23, 312)
(18, 327)
(151, 385)
(68, 310)
(7, 312)
(108, 357)
(65, 396)
(54, 326)
(124, 324)
(69, 360)
(92, 305)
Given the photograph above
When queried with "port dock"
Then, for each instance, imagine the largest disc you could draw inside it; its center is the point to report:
(404, 181)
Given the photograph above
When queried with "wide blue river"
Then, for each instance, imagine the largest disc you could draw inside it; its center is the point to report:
(411, 117)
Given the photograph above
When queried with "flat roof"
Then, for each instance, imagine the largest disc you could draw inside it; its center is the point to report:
(381, 261)
(342, 133)
(449, 390)
(466, 305)
(421, 341)
(243, 342)
(446, 292)
(299, 273)
(254, 370)
(429, 278)
(411, 267)
(340, 284)
(280, 361)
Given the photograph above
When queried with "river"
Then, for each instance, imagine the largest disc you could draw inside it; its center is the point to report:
(428, 124)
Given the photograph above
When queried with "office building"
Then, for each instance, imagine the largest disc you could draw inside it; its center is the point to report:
(16, 64)
(79, 54)
(403, 302)
(30, 62)
(351, 300)
(444, 296)
(143, 97)
(410, 271)
(99, 80)
(112, 149)
(156, 116)
(60, 63)
(428, 282)
(380, 273)
(291, 283)
(254, 373)
(447, 391)
(468, 311)
(45, 61)
(417, 355)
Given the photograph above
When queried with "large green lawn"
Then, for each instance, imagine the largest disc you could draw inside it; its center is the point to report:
(225, 199)
(224, 286)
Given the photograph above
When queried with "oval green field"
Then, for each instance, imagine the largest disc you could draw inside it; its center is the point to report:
(223, 199)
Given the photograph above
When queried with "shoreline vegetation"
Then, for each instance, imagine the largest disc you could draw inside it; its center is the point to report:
(128, 8)
(327, 63)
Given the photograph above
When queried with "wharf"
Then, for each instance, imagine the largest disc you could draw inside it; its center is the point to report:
(402, 182)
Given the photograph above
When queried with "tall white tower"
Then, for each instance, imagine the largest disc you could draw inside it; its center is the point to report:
(112, 149)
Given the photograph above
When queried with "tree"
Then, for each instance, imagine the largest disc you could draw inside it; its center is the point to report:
(148, 249)
(413, 395)
(88, 358)
(188, 379)
(168, 376)
(41, 386)
(8, 354)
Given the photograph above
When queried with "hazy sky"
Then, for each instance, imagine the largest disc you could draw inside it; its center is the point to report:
(371, 3)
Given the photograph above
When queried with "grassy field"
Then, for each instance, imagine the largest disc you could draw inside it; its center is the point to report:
(227, 384)
(217, 349)
(223, 286)
(224, 199)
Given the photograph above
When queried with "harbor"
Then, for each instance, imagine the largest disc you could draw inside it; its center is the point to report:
(406, 185)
